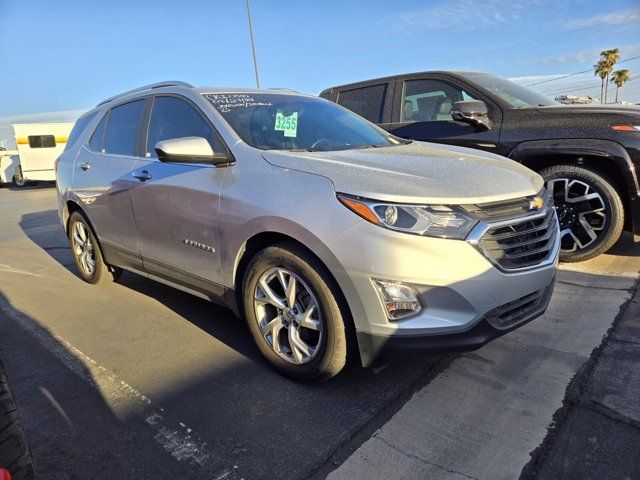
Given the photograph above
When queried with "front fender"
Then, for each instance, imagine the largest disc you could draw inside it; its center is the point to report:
(607, 149)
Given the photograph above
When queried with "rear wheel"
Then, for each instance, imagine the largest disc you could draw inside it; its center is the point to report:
(18, 177)
(291, 307)
(86, 252)
(589, 209)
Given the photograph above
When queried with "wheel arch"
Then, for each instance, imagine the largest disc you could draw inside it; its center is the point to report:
(606, 158)
(265, 239)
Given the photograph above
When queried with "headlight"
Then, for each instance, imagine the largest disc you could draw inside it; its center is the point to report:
(430, 220)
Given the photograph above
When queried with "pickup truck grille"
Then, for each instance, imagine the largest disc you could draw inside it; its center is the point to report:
(522, 242)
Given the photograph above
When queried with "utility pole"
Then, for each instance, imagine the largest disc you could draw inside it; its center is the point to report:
(253, 45)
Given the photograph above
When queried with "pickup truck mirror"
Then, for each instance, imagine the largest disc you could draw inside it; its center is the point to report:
(473, 112)
(190, 150)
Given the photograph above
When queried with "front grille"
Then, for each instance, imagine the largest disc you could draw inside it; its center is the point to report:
(517, 311)
(521, 243)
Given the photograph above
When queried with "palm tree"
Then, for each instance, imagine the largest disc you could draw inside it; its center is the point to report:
(609, 58)
(620, 77)
(601, 71)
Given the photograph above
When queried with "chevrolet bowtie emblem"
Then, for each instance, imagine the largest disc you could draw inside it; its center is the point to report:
(536, 203)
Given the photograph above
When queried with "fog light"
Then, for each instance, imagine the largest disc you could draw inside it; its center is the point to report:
(399, 300)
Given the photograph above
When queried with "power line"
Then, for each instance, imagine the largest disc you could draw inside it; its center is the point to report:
(580, 89)
(577, 73)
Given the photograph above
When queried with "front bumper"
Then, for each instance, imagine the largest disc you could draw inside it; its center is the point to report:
(460, 290)
(381, 347)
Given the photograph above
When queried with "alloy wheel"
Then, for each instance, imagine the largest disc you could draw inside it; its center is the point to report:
(581, 210)
(288, 315)
(83, 248)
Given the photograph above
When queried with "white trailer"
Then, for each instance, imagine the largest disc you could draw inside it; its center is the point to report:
(39, 144)
(8, 161)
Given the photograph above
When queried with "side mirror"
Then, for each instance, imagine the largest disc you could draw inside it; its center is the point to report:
(190, 150)
(473, 112)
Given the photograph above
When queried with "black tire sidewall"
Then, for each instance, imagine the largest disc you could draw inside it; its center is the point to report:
(613, 208)
(332, 356)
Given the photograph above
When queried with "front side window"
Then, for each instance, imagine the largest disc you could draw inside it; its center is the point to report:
(122, 129)
(291, 122)
(366, 102)
(171, 118)
(42, 141)
(430, 100)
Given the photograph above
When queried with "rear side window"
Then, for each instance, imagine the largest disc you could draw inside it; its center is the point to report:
(121, 132)
(95, 143)
(171, 118)
(78, 128)
(366, 102)
(42, 141)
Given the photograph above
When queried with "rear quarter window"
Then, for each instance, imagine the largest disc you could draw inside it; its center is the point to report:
(78, 128)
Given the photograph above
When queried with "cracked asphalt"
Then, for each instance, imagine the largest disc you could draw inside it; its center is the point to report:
(138, 380)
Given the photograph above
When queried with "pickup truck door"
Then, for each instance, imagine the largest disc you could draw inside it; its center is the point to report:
(422, 111)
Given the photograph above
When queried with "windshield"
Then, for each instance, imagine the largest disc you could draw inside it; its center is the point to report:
(290, 122)
(516, 95)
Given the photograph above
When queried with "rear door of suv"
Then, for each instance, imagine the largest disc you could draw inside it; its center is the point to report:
(176, 204)
(102, 179)
(422, 111)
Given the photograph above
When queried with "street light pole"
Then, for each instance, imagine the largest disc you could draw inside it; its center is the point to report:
(253, 45)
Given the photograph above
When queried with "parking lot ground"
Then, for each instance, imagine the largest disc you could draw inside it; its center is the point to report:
(138, 380)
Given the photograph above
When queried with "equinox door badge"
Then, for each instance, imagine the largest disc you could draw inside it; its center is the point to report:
(199, 245)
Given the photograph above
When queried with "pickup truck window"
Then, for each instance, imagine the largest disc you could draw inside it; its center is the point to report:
(429, 100)
(366, 102)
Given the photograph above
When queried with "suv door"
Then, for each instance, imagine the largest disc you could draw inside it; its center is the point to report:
(176, 204)
(422, 111)
(102, 178)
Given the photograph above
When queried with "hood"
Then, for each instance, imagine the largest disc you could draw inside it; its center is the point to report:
(596, 108)
(416, 173)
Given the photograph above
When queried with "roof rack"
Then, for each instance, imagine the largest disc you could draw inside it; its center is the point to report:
(284, 89)
(171, 83)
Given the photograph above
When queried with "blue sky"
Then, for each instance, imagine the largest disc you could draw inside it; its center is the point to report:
(67, 56)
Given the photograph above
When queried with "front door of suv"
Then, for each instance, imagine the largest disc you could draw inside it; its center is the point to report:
(102, 178)
(176, 204)
(422, 111)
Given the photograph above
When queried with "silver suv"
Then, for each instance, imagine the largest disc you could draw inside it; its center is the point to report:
(324, 231)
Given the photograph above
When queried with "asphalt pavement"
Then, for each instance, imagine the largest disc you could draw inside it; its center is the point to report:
(139, 380)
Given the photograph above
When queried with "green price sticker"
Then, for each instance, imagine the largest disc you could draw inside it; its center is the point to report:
(287, 124)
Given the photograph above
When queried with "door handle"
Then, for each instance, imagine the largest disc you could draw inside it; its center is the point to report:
(143, 176)
(85, 166)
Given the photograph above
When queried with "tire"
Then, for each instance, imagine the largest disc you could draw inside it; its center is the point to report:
(590, 227)
(87, 253)
(18, 177)
(15, 455)
(313, 284)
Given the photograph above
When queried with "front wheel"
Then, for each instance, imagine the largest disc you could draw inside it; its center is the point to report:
(291, 307)
(589, 209)
(86, 252)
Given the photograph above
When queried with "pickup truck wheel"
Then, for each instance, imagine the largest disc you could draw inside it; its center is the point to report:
(589, 209)
(291, 309)
(87, 254)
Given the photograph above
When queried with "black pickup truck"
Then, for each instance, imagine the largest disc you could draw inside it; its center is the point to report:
(589, 155)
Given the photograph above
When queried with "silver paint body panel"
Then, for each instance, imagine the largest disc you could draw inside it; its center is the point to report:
(294, 194)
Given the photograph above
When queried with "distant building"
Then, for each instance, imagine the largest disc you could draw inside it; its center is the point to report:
(574, 99)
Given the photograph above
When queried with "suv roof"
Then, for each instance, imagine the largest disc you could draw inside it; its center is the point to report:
(178, 83)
